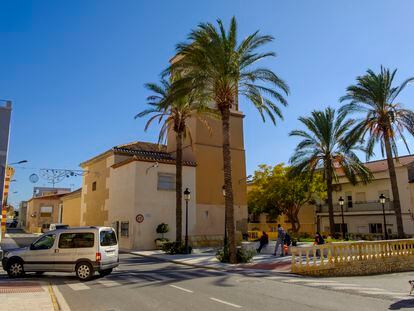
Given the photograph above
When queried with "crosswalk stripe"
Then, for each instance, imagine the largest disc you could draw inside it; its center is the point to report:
(77, 286)
(108, 283)
(376, 292)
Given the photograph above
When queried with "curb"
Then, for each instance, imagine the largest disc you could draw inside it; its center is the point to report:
(235, 269)
(53, 298)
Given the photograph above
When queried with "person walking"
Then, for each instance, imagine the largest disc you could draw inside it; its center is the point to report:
(318, 241)
(280, 240)
(264, 240)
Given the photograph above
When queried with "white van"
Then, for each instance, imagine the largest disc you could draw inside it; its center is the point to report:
(83, 250)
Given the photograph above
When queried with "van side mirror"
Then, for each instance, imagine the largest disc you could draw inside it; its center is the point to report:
(32, 247)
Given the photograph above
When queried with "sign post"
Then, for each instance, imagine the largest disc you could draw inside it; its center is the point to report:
(5, 115)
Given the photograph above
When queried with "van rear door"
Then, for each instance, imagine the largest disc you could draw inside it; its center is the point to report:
(108, 246)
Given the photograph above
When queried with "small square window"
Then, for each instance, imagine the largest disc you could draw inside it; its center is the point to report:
(125, 228)
(166, 181)
(94, 186)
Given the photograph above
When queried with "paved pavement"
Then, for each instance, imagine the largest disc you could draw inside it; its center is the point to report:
(142, 283)
(148, 284)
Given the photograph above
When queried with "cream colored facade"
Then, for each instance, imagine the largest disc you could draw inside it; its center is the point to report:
(122, 183)
(70, 208)
(133, 191)
(42, 211)
(362, 210)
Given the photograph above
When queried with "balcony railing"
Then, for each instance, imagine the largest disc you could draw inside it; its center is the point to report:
(358, 207)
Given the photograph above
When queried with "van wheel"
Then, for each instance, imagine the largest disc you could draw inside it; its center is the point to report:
(105, 272)
(84, 271)
(15, 269)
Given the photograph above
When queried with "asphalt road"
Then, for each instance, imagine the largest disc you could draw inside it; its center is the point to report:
(146, 284)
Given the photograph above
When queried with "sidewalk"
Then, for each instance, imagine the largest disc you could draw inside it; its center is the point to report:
(206, 258)
(27, 295)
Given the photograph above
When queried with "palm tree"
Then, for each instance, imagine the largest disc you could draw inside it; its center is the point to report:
(173, 112)
(213, 63)
(324, 148)
(384, 121)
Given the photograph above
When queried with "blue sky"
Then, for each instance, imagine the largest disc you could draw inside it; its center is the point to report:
(75, 69)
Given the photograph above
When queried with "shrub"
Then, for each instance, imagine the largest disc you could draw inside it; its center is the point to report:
(242, 255)
(162, 228)
(173, 248)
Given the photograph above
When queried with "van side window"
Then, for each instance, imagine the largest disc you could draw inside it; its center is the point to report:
(108, 238)
(76, 240)
(45, 242)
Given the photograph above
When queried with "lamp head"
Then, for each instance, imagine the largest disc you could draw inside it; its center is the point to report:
(382, 198)
(341, 201)
(187, 195)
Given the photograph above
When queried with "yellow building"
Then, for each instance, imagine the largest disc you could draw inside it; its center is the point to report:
(132, 187)
(363, 214)
(264, 222)
(71, 208)
(43, 211)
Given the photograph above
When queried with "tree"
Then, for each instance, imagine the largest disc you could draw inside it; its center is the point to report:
(213, 62)
(173, 111)
(384, 120)
(277, 192)
(325, 149)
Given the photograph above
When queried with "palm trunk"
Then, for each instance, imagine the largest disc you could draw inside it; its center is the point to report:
(292, 215)
(330, 201)
(394, 187)
(229, 207)
(179, 187)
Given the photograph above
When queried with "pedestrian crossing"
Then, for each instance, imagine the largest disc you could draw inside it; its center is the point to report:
(139, 279)
(344, 287)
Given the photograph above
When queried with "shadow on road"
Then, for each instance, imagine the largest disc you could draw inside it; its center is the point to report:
(402, 304)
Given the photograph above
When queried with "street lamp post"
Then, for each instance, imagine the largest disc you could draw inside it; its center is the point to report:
(225, 217)
(341, 204)
(382, 201)
(187, 199)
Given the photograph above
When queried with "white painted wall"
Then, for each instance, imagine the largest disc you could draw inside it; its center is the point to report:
(133, 191)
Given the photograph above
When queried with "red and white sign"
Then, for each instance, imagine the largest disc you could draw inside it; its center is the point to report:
(140, 218)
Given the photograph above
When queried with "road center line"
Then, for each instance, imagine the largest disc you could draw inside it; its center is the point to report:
(225, 302)
(183, 289)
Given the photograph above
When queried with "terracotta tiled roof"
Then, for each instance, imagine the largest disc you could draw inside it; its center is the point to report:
(143, 151)
(142, 146)
(381, 165)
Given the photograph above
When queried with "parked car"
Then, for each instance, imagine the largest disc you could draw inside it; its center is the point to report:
(57, 226)
(83, 250)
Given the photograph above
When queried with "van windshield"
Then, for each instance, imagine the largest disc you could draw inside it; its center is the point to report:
(108, 238)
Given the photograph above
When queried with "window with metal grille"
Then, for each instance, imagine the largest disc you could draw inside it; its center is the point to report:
(166, 181)
(125, 228)
(46, 211)
(375, 228)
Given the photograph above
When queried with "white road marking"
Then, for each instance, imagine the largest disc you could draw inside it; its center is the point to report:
(275, 278)
(308, 281)
(377, 292)
(108, 283)
(78, 286)
(183, 289)
(225, 302)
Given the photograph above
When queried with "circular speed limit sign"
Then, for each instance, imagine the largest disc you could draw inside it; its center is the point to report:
(139, 218)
